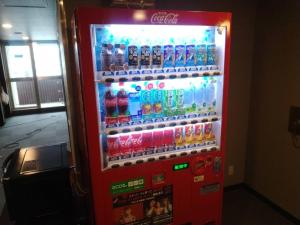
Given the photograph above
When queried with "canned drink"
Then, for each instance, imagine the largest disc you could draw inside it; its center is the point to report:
(180, 101)
(179, 137)
(168, 56)
(145, 57)
(120, 56)
(156, 56)
(147, 140)
(179, 55)
(190, 53)
(201, 55)
(106, 57)
(211, 54)
(113, 146)
(198, 134)
(158, 138)
(157, 107)
(169, 137)
(136, 142)
(208, 132)
(132, 57)
(146, 104)
(189, 134)
(125, 144)
(169, 105)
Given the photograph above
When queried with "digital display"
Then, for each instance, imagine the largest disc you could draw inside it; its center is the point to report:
(180, 166)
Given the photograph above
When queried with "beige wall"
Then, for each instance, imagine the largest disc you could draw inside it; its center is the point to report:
(240, 70)
(273, 164)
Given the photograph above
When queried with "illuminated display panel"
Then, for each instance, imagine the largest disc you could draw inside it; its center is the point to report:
(159, 90)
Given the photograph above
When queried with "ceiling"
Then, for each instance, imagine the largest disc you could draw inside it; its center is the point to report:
(33, 18)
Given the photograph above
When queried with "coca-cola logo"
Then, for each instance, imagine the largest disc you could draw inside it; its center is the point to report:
(136, 141)
(164, 18)
(122, 101)
(111, 102)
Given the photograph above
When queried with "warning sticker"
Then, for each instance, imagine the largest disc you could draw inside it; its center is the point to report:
(153, 206)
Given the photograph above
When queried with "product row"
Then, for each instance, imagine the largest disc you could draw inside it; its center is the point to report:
(158, 140)
(118, 57)
(141, 102)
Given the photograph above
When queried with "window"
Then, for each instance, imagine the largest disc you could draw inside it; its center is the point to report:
(35, 75)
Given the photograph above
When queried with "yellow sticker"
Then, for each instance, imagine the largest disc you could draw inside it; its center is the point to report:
(198, 178)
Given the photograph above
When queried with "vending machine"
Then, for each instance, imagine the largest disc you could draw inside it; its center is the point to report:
(153, 87)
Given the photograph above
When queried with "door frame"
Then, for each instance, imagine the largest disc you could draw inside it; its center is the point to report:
(34, 78)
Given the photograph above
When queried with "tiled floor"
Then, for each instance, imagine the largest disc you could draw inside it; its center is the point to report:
(31, 130)
(240, 206)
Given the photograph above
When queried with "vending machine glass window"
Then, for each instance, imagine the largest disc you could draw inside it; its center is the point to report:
(159, 90)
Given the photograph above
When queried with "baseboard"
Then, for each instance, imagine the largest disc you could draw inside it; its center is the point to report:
(234, 187)
(264, 199)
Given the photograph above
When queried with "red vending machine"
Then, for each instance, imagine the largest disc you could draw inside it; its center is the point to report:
(154, 86)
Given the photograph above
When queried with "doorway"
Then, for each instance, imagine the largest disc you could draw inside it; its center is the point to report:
(34, 74)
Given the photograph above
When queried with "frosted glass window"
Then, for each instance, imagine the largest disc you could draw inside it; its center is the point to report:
(19, 61)
(47, 59)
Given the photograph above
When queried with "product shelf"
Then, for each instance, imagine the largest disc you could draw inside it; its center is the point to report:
(167, 154)
(161, 123)
(154, 74)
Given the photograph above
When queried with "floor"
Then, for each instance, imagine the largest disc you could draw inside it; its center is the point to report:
(31, 130)
(240, 206)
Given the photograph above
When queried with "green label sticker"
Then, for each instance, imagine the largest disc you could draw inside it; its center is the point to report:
(127, 186)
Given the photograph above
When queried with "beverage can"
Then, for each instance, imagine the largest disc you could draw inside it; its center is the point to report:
(189, 134)
(146, 104)
(179, 136)
(145, 56)
(110, 103)
(134, 104)
(179, 55)
(201, 54)
(169, 137)
(190, 55)
(169, 105)
(180, 101)
(156, 56)
(158, 138)
(119, 59)
(125, 144)
(106, 57)
(132, 57)
(113, 145)
(147, 140)
(198, 133)
(208, 132)
(157, 102)
(136, 142)
(211, 54)
(168, 56)
(122, 103)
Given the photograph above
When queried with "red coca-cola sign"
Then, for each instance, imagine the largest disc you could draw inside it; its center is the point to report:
(164, 18)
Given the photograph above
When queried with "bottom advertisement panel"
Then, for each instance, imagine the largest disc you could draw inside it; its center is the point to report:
(153, 206)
